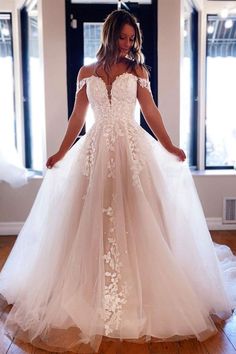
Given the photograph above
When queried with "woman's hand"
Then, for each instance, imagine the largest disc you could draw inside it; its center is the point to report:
(178, 152)
(52, 160)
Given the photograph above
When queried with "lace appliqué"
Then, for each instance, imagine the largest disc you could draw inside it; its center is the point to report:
(115, 291)
(90, 157)
(144, 83)
(111, 168)
(138, 160)
(111, 132)
(115, 123)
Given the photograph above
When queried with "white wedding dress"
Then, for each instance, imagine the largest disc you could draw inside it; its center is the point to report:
(116, 243)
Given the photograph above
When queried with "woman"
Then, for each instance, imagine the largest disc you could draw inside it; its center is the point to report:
(111, 247)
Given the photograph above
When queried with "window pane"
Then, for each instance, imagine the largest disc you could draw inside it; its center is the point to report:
(33, 117)
(220, 93)
(7, 112)
(36, 121)
(92, 35)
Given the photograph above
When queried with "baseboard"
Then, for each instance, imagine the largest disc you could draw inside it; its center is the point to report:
(13, 228)
(216, 224)
(10, 228)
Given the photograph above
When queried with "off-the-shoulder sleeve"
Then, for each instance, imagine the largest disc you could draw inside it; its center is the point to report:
(144, 83)
(80, 84)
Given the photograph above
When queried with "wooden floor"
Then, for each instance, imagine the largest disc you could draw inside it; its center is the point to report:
(223, 342)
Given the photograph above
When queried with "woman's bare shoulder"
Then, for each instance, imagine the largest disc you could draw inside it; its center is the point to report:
(86, 71)
(141, 72)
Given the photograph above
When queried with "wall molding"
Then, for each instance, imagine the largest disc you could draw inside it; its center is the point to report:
(10, 228)
(217, 224)
(13, 228)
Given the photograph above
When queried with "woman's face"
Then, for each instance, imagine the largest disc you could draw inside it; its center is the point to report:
(126, 39)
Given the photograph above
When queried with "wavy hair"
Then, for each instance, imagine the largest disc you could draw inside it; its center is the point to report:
(108, 53)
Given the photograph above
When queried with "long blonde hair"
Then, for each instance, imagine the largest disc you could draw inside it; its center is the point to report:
(108, 52)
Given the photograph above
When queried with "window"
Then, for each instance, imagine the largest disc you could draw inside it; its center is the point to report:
(92, 35)
(220, 92)
(33, 117)
(7, 108)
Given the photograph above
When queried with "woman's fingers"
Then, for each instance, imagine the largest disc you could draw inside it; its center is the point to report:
(53, 159)
(182, 155)
(50, 162)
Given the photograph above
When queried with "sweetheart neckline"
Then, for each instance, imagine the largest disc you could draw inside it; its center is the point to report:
(116, 78)
(109, 88)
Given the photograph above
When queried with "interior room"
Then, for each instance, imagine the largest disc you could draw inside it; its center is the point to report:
(190, 47)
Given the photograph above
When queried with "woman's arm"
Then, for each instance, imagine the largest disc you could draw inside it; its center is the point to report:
(75, 124)
(153, 117)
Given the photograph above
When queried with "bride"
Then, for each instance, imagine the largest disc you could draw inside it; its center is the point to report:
(116, 245)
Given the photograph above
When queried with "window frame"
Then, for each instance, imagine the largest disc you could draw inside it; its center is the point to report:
(215, 167)
(210, 7)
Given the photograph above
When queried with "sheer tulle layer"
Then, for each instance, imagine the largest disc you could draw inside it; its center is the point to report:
(116, 245)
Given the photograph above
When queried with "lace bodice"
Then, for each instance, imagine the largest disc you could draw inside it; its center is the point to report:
(114, 113)
(114, 102)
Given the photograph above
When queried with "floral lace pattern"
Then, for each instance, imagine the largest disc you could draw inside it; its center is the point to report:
(111, 168)
(115, 122)
(144, 83)
(111, 132)
(90, 157)
(115, 290)
(115, 131)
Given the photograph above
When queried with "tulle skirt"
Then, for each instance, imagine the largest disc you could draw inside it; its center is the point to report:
(116, 246)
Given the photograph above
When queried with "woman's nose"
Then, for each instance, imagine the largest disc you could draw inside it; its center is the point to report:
(127, 42)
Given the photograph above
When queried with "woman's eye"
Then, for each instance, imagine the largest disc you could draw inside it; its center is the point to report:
(131, 39)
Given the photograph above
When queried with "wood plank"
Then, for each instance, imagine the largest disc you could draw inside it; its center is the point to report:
(226, 237)
(164, 348)
(123, 347)
(131, 348)
(108, 347)
(219, 344)
(192, 346)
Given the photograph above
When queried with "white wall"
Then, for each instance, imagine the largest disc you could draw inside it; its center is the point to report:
(7, 5)
(16, 203)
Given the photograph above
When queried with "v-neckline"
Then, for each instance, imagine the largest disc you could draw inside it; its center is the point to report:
(109, 91)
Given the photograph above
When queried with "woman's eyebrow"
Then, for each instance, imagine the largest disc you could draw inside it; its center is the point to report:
(127, 35)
